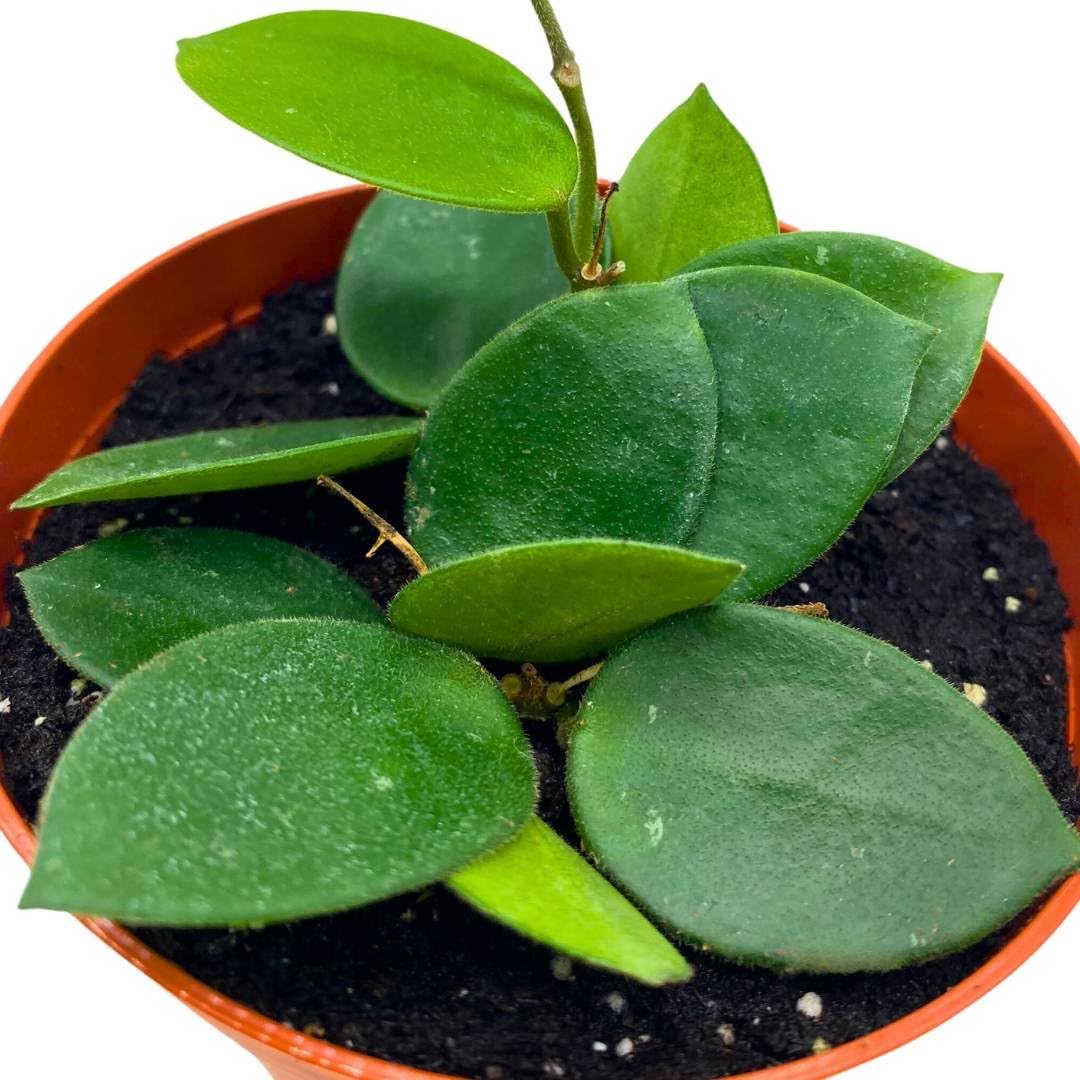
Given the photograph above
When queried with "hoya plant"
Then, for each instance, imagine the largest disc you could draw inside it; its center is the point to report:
(638, 414)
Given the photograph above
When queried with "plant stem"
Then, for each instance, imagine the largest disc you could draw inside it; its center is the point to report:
(385, 530)
(562, 240)
(567, 76)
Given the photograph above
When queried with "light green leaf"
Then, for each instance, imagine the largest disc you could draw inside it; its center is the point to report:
(955, 301)
(111, 605)
(814, 384)
(557, 601)
(227, 459)
(422, 287)
(394, 102)
(273, 770)
(692, 186)
(542, 888)
(798, 795)
(594, 415)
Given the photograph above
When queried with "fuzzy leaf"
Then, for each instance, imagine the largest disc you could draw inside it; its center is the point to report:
(955, 301)
(109, 606)
(422, 287)
(814, 383)
(557, 601)
(799, 795)
(541, 887)
(692, 186)
(274, 770)
(394, 102)
(227, 459)
(593, 416)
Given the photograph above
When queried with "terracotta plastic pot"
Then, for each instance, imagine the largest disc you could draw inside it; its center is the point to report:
(189, 296)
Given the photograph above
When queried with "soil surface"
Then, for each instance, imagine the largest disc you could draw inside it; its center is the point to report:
(423, 979)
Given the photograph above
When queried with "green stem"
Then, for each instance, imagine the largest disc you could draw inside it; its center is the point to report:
(567, 76)
(562, 240)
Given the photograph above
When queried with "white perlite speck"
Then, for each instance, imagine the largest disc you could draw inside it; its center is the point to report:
(1012, 604)
(624, 1047)
(941, 442)
(810, 1005)
(975, 693)
(39, 720)
(804, 587)
(727, 1034)
(819, 1046)
(329, 324)
(600, 1047)
(562, 967)
(615, 1001)
(991, 574)
(553, 1068)
(5, 705)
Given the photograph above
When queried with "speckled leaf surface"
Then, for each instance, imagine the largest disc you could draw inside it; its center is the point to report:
(394, 102)
(423, 286)
(228, 459)
(109, 606)
(692, 186)
(541, 887)
(593, 416)
(557, 601)
(274, 770)
(799, 795)
(814, 380)
(911, 282)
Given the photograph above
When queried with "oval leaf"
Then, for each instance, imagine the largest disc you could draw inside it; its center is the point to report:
(798, 795)
(227, 459)
(542, 888)
(394, 102)
(814, 383)
(593, 416)
(423, 286)
(955, 301)
(557, 601)
(692, 186)
(111, 605)
(275, 770)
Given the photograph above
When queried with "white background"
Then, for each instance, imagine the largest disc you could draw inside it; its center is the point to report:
(949, 125)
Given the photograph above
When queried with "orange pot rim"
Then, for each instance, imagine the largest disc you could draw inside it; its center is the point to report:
(256, 1031)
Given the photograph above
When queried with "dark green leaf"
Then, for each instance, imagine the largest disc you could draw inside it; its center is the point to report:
(556, 601)
(798, 795)
(274, 770)
(593, 416)
(814, 383)
(955, 301)
(692, 186)
(542, 888)
(111, 605)
(228, 459)
(422, 287)
(390, 101)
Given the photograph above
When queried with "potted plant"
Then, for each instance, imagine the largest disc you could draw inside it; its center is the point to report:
(603, 488)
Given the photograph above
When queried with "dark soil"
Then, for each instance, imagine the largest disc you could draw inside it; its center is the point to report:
(423, 979)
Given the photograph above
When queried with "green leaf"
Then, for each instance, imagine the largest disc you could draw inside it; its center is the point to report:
(273, 770)
(542, 888)
(593, 416)
(109, 606)
(814, 384)
(692, 186)
(795, 794)
(227, 459)
(557, 601)
(394, 102)
(909, 281)
(422, 287)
